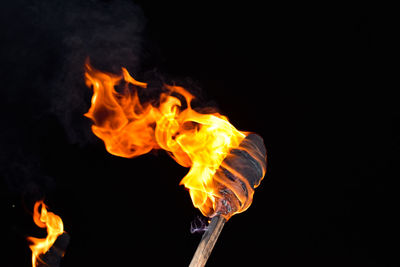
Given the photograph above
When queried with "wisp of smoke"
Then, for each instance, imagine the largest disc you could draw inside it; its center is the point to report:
(198, 225)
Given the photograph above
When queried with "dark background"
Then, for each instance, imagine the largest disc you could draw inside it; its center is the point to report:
(313, 81)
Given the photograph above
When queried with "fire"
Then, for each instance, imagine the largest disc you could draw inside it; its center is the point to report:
(54, 226)
(130, 128)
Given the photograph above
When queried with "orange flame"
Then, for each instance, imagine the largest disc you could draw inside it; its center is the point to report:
(54, 226)
(130, 128)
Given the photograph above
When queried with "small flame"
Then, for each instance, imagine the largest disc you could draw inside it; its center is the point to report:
(195, 140)
(54, 226)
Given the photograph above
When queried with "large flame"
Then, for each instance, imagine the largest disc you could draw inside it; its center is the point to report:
(130, 128)
(54, 226)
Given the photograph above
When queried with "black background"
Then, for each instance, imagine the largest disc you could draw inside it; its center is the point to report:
(311, 80)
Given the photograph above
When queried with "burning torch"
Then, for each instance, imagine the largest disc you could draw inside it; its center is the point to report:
(226, 164)
(48, 251)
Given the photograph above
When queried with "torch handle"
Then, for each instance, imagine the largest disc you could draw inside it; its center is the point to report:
(208, 241)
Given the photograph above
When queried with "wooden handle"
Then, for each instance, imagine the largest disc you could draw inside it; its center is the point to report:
(207, 242)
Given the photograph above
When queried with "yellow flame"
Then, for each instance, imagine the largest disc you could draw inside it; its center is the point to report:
(54, 226)
(130, 128)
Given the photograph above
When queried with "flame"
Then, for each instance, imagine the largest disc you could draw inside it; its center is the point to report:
(54, 226)
(195, 140)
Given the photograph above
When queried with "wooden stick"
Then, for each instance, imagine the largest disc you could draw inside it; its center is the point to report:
(207, 242)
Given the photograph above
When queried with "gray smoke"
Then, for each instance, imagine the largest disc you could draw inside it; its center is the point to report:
(43, 49)
(109, 33)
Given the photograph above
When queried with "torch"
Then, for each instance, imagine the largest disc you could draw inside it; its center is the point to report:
(243, 169)
(48, 251)
(226, 164)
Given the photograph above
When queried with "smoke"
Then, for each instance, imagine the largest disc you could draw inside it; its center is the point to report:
(109, 33)
(198, 225)
(44, 46)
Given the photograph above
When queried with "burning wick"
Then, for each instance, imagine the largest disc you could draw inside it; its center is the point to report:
(226, 164)
(54, 227)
